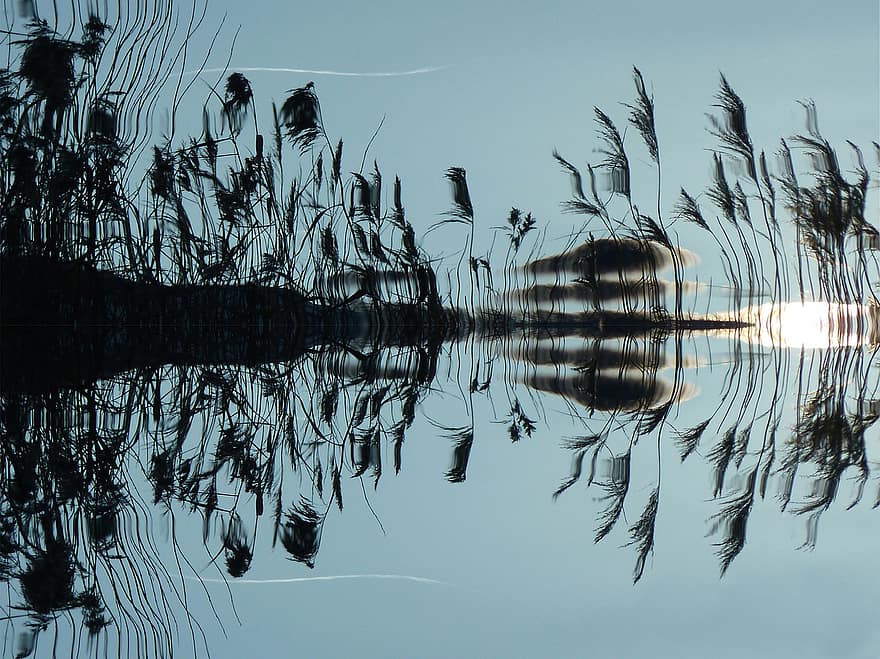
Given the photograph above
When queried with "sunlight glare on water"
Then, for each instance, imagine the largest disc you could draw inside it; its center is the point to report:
(810, 324)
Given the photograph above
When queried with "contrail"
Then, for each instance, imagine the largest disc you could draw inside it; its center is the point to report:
(337, 577)
(322, 72)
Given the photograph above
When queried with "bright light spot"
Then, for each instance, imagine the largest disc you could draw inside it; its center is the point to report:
(811, 325)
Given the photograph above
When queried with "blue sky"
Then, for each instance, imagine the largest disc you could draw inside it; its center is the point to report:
(522, 78)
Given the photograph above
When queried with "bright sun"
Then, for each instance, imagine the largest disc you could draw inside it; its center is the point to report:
(812, 325)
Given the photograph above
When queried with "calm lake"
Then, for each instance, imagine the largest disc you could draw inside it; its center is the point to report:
(582, 382)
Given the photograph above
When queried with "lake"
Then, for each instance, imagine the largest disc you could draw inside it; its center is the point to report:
(558, 391)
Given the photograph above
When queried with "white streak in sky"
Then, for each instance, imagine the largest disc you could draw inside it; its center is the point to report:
(320, 72)
(337, 577)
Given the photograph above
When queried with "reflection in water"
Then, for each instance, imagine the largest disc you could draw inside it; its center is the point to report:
(810, 325)
(746, 443)
(609, 375)
(85, 470)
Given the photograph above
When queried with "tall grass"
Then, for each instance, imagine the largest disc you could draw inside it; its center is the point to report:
(75, 102)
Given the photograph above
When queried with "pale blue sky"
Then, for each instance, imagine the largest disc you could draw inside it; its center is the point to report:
(522, 79)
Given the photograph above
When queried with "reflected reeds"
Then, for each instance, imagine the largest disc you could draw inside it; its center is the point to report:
(232, 445)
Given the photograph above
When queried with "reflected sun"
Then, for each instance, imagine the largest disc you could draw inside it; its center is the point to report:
(812, 324)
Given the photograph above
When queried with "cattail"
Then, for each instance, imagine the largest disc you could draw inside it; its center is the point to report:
(409, 244)
(375, 191)
(336, 166)
(364, 196)
(328, 244)
(397, 216)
